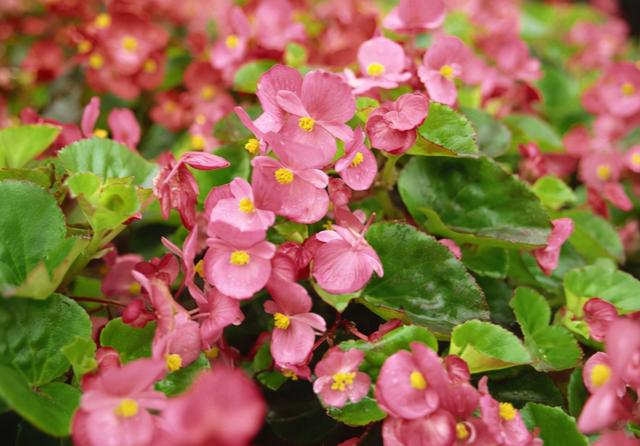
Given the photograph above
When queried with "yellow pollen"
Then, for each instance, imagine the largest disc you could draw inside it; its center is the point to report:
(197, 142)
(130, 44)
(170, 106)
(135, 288)
(628, 89)
(84, 46)
(604, 172)
(212, 353)
(281, 321)
(174, 362)
(328, 225)
(103, 21)
(600, 374)
(127, 408)
(417, 380)
(342, 380)
(96, 61)
(201, 119)
(635, 159)
(246, 206)
(232, 41)
(507, 411)
(306, 123)
(290, 374)
(284, 176)
(199, 268)
(462, 433)
(375, 69)
(355, 162)
(100, 133)
(446, 71)
(252, 146)
(150, 66)
(239, 258)
(207, 93)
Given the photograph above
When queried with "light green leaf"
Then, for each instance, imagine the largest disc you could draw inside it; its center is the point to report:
(494, 138)
(337, 301)
(21, 144)
(81, 353)
(131, 342)
(556, 427)
(295, 55)
(594, 237)
(177, 382)
(247, 76)
(553, 192)
(364, 107)
(365, 411)
(529, 128)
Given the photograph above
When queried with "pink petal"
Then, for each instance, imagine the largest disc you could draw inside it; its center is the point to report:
(204, 161)
(291, 103)
(90, 116)
(327, 97)
(293, 345)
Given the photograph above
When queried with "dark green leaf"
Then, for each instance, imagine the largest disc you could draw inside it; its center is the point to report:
(494, 137)
(131, 342)
(529, 128)
(239, 168)
(577, 393)
(594, 237)
(556, 427)
(365, 411)
(19, 145)
(530, 386)
(486, 260)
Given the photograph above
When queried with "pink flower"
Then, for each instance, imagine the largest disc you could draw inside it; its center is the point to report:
(178, 345)
(436, 429)
(548, 256)
(617, 93)
(118, 282)
(601, 173)
(338, 378)
(219, 312)
(275, 26)
(382, 64)
(408, 385)
(114, 411)
(599, 315)
(344, 262)
(231, 46)
(238, 217)
(597, 373)
(617, 438)
(44, 61)
(294, 326)
(512, 56)
(632, 159)
(358, 167)
(414, 16)
(236, 268)
(392, 126)
(222, 407)
(442, 64)
(188, 255)
(175, 186)
(277, 78)
(124, 127)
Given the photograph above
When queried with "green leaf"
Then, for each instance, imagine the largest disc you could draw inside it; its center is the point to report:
(551, 347)
(364, 107)
(365, 411)
(177, 382)
(399, 339)
(295, 55)
(556, 427)
(33, 332)
(473, 200)
(445, 132)
(42, 176)
(577, 393)
(337, 301)
(529, 128)
(21, 144)
(49, 408)
(423, 282)
(247, 76)
(131, 342)
(31, 226)
(107, 159)
(485, 346)
(553, 192)
(494, 138)
(240, 167)
(594, 237)
(486, 260)
(81, 353)
(530, 386)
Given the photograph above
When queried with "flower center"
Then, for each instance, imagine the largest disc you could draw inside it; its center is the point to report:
(135, 288)
(635, 159)
(199, 268)
(96, 61)
(197, 142)
(103, 21)
(170, 106)
(127, 408)
(507, 411)
(281, 321)
(628, 89)
(232, 41)
(604, 172)
(252, 146)
(239, 258)
(355, 162)
(246, 206)
(130, 44)
(207, 93)
(375, 69)
(100, 133)
(462, 433)
(417, 380)
(306, 123)
(174, 362)
(150, 66)
(446, 71)
(342, 380)
(212, 353)
(284, 176)
(84, 46)
(600, 374)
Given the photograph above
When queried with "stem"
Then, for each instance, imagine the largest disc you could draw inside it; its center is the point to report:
(389, 174)
(99, 301)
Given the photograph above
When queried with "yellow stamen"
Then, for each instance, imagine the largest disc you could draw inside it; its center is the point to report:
(199, 268)
(252, 146)
(207, 93)
(375, 69)
(100, 133)
(417, 380)
(170, 106)
(342, 380)
(604, 172)
(355, 162)
(84, 47)
(239, 258)
(130, 44)
(628, 89)
(507, 411)
(328, 225)
(290, 374)
(600, 374)
(201, 119)
(135, 288)
(246, 206)
(284, 176)
(174, 362)
(281, 321)
(96, 61)
(150, 66)
(635, 159)
(232, 41)
(446, 71)
(212, 353)
(127, 408)
(198, 142)
(462, 433)
(103, 21)
(306, 123)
